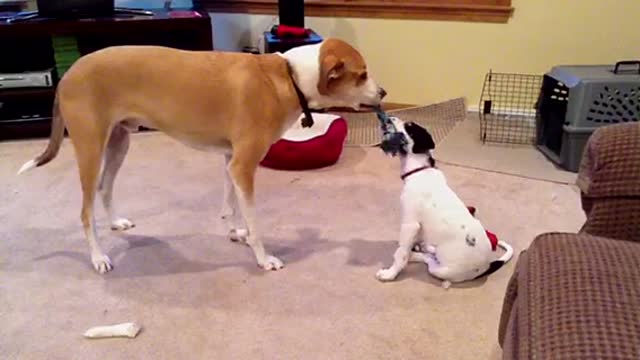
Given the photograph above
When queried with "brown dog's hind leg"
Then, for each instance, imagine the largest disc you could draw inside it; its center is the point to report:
(114, 155)
(242, 169)
(89, 141)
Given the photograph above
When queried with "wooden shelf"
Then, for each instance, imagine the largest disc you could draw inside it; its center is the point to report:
(6, 93)
(25, 120)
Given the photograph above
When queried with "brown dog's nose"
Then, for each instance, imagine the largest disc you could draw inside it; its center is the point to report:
(382, 92)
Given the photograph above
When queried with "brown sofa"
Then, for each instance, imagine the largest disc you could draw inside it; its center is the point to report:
(577, 296)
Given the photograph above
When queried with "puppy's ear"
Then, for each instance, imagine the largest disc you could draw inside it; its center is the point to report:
(331, 68)
(422, 140)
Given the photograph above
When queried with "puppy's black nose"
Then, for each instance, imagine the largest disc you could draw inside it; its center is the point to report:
(382, 92)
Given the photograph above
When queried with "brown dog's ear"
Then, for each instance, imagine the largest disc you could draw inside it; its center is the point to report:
(331, 68)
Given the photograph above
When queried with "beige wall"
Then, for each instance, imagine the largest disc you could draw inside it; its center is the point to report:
(427, 61)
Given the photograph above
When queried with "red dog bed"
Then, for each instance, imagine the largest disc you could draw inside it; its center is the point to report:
(309, 148)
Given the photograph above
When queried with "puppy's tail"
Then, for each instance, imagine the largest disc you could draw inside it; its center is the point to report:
(497, 264)
(55, 140)
(508, 251)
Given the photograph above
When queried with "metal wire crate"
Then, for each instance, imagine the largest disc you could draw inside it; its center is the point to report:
(508, 108)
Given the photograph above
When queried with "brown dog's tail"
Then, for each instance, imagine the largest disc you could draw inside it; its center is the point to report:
(55, 140)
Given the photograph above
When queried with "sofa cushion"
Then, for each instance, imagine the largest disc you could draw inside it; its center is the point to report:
(574, 297)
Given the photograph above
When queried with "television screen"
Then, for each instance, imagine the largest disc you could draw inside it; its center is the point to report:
(75, 8)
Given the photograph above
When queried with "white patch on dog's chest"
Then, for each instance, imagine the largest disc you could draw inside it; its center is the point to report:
(290, 121)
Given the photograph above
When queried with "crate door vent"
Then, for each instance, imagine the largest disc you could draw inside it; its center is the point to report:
(615, 106)
(560, 93)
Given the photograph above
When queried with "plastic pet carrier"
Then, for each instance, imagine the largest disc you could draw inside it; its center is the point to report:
(576, 100)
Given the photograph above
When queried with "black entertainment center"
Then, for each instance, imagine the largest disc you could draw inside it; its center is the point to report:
(75, 9)
(42, 45)
(38, 47)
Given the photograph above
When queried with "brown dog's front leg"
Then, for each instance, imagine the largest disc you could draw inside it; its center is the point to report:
(229, 210)
(242, 169)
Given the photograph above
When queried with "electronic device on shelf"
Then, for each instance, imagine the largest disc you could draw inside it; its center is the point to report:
(31, 79)
(55, 41)
(75, 9)
(290, 32)
(291, 13)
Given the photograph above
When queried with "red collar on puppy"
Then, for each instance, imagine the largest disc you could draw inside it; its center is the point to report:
(406, 175)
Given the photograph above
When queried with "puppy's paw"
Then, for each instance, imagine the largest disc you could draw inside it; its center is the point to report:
(271, 263)
(122, 224)
(101, 263)
(239, 235)
(386, 275)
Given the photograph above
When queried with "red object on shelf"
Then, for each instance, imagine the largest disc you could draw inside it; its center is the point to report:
(285, 31)
(176, 14)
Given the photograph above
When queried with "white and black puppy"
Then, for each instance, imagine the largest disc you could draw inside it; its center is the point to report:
(433, 216)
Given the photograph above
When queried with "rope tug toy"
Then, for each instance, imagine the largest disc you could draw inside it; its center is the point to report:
(393, 141)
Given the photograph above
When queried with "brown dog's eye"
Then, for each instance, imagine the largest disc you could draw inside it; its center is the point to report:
(363, 76)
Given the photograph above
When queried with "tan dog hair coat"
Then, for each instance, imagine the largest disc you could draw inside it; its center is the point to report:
(234, 102)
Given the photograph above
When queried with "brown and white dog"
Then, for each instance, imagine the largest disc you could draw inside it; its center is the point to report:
(237, 103)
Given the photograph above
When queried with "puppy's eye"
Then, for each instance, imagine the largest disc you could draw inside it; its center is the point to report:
(364, 76)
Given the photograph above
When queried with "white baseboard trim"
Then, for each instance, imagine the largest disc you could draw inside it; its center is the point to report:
(511, 112)
(517, 115)
(473, 108)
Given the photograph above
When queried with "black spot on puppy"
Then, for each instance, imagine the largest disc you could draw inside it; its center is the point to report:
(422, 140)
(471, 241)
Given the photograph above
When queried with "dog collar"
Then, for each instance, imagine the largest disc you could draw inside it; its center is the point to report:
(407, 174)
(308, 119)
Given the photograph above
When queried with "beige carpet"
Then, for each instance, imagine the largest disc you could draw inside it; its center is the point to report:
(463, 146)
(199, 296)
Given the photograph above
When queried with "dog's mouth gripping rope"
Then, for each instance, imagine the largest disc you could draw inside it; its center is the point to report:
(393, 142)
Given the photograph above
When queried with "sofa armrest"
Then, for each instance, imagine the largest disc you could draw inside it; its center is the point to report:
(614, 218)
(510, 298)
(610, 165)
(609, 182)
